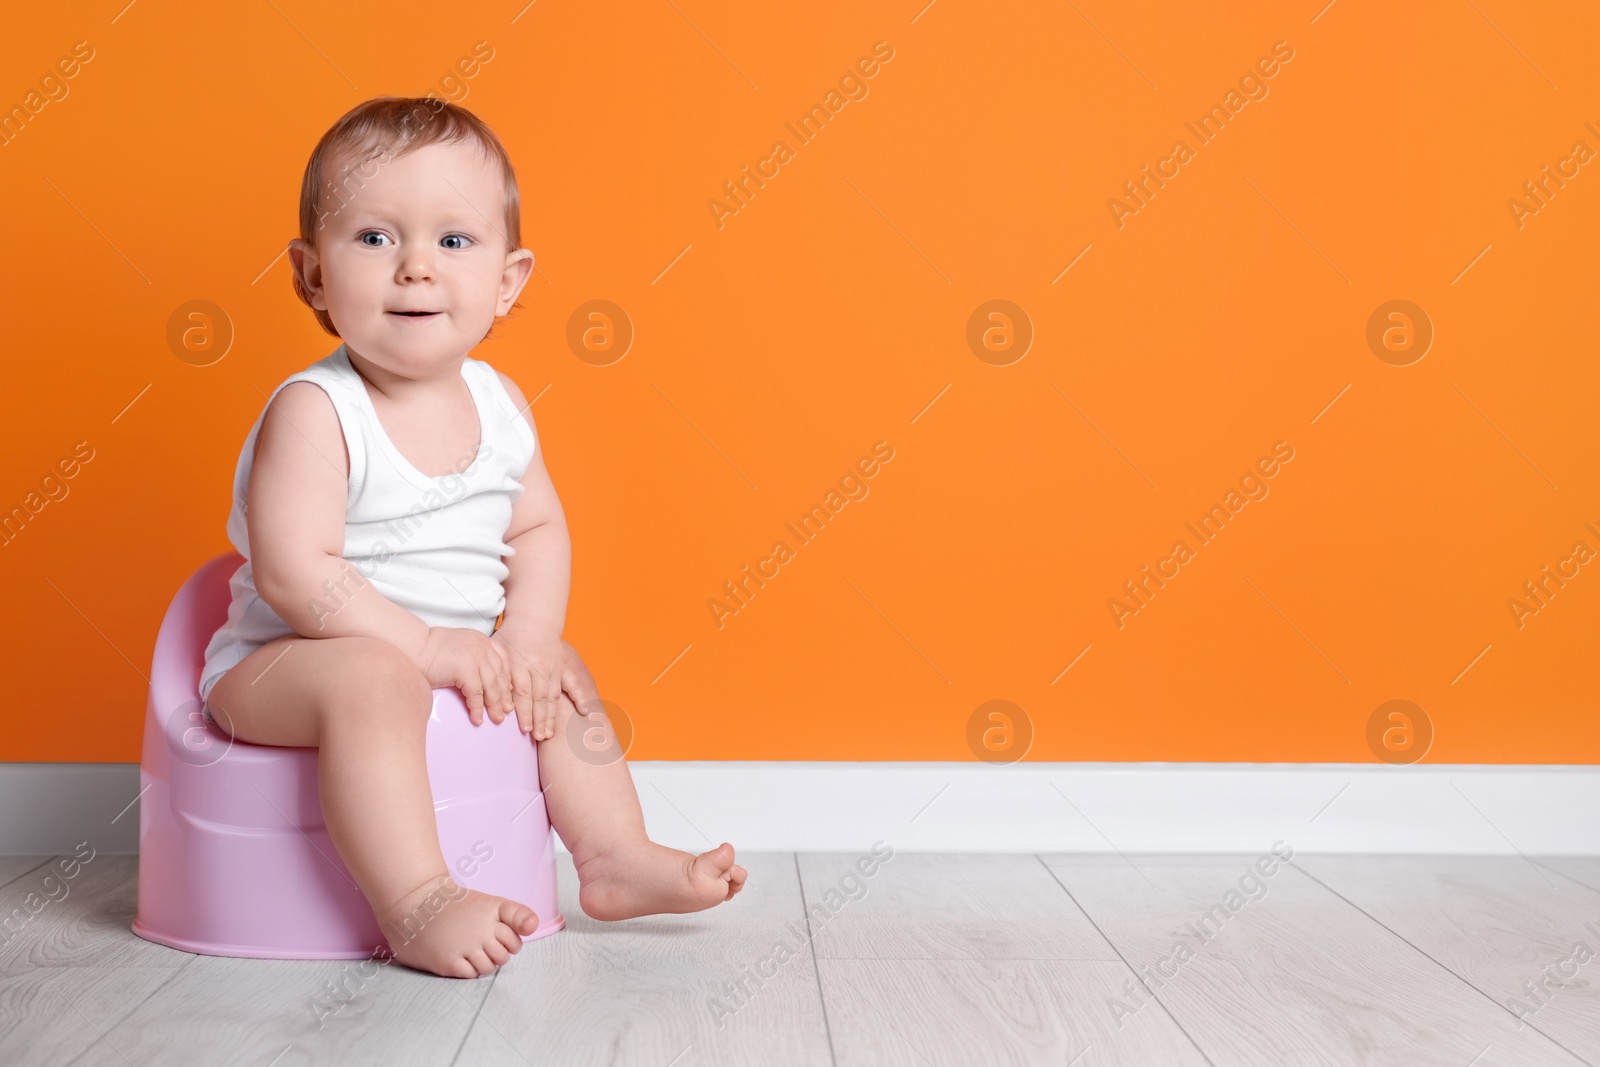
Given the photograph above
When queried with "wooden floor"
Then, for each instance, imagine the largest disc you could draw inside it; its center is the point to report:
(934, 959)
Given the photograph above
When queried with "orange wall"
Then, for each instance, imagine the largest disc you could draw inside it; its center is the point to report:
(825, 315)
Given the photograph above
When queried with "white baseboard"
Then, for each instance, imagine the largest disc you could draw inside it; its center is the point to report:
(47, 808)
(966, 807)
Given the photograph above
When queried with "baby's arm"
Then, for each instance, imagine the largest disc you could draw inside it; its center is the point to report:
(299, 483)
(541, 570)
(536, 587)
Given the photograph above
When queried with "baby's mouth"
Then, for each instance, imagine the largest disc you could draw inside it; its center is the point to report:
(416, 314)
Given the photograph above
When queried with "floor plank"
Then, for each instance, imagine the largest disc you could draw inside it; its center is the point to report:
(939, 958)
(642, 991)
(1497, 923)
(1288, 973)
(992, 1011)
(75, 981)
(85, 919)
(70, 967)
(920, 905)
(225, 1010)
(1584, 870)
(1141, 860)
(14, 867)
(54, 1014)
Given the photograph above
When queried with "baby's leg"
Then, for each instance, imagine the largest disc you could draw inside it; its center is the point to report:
(592, 804)
(365, 707)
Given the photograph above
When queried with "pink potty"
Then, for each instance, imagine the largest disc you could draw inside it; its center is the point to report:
(234, 859)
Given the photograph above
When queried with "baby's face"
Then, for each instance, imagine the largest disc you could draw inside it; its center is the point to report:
(413, 267)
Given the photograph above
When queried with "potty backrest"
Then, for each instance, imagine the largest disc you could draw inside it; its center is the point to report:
(200, 606)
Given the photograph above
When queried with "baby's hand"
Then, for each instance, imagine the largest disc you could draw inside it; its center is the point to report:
(539, 672)
(473, 663)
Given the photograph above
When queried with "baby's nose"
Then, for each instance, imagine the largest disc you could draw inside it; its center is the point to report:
(416, 266)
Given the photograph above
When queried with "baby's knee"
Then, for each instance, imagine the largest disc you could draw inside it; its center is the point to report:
(373, 672)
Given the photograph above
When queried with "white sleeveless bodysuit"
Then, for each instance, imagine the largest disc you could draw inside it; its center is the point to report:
(431, 545)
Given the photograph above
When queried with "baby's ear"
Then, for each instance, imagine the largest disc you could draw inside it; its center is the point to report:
(307, 273)
(519, 268)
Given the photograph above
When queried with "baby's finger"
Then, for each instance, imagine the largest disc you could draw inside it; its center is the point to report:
(552, 695)
(496, 681)
(541, 712)
(472, 693)
(583, 697)
(494, 694)
(503, 658)
(522, 691)
(510, 680)
(552, 702)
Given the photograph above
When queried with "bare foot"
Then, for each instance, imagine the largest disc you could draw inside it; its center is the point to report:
(455, 932)
(645, 878)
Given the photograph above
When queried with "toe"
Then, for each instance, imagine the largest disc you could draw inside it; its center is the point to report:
(479, 959)
(719, 859)
(508, 937)
(497, 953)
(520, 917)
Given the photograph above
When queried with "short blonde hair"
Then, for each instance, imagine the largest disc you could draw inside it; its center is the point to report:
(383, 129)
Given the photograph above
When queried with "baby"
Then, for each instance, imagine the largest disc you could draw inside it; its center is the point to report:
(391, 502)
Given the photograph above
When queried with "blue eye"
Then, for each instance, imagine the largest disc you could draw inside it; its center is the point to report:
(373, 233)
(456, 237)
